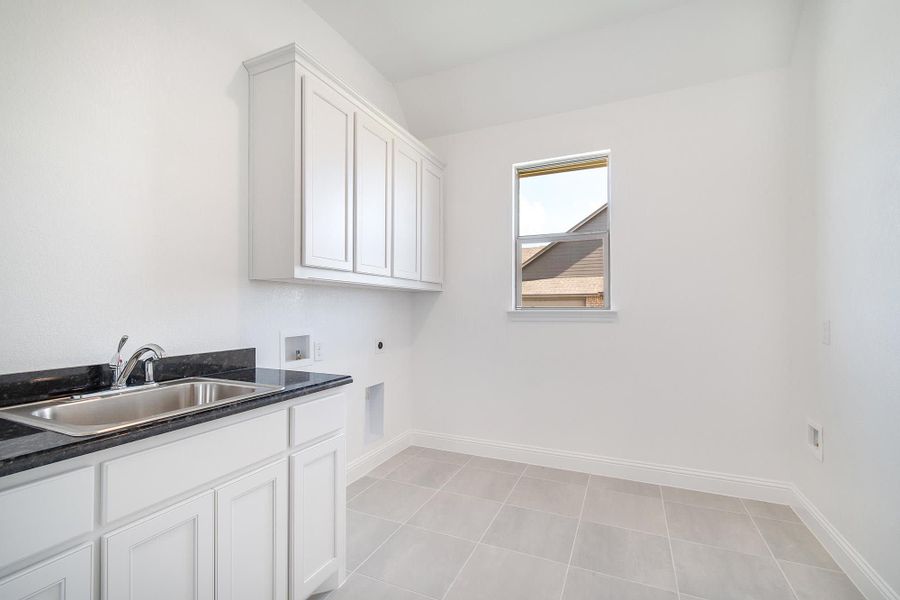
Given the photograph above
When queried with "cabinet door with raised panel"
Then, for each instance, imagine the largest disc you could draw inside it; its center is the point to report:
(432, 222)
(167, 555)
(318, 516)
(251, 536)
(327, 213)
(69, 576)
(374, 148)
(407, 211)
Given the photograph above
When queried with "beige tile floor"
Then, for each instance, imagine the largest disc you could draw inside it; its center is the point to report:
(440, 525)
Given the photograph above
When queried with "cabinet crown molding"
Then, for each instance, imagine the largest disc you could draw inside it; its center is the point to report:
(295, 53)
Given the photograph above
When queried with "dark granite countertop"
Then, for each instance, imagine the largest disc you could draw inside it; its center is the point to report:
(23, 447)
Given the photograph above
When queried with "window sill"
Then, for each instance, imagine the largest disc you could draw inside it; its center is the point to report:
(550, 316)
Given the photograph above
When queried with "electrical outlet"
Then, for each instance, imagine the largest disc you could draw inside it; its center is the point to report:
(814, 439)
(379, 346)
(317, 351)
(826, 332)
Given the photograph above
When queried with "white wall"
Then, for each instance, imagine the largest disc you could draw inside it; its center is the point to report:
(846, 264)
(123, 183)
(693, 373)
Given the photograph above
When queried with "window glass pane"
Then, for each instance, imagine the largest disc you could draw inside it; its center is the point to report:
(567, 274)
(561, 202)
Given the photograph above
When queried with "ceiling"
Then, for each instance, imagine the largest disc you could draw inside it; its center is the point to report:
(409, 38)
(459, 65)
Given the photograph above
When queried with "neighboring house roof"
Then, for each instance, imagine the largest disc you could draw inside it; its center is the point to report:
(529, 254)
(563, 286)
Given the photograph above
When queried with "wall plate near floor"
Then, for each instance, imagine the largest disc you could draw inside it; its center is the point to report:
(295, 350)
(814, 439)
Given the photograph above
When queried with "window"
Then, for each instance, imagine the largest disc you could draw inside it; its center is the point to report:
(562, 235)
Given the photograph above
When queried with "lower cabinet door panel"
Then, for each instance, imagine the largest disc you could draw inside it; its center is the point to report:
(252, 536)
(318, 517)
(168, 555)
(69, 576)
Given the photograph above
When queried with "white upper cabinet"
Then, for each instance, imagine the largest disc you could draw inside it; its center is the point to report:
(373, 185)
(407, 211)
(432, 222)
(339, 192)
(327, 177)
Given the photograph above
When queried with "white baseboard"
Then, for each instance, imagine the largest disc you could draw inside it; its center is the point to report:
(371, 459)
(694, 479)
(869, 582)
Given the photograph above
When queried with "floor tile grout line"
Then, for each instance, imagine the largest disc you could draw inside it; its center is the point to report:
(389, 584)
(798, 522)
(684, 489)
(375, 480)
(620, 578)
(481, 542)
(811, 532)
(716, 547)
(772, 554)
(746, 511)
(546, 512)
(671, 550)
(506, 502)
(808, 566)
(406, 460)
(593, 522)
(587, 487)
(484, 533)
(724, 510)
(401, 526)
(525, 475)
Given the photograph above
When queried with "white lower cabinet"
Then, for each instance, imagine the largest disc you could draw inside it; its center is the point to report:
(69, 576)
(252, 536)
(252, 508)
(166, 555)
(318, 522)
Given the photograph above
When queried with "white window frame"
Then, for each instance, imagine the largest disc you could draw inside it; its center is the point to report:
(534, 313)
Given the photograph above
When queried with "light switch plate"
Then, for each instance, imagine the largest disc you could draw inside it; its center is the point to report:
(814, 439)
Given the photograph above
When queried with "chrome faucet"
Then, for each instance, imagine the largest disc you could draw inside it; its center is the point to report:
(122, 373)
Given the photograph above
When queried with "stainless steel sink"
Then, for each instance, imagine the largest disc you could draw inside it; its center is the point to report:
(111, 410)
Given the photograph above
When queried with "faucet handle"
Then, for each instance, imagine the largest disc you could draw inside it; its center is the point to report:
(116, 360)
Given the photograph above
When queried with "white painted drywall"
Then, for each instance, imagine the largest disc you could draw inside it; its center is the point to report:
(123, 183)
(406, 38)
(694, 372)
(688, 44)
(845, 251)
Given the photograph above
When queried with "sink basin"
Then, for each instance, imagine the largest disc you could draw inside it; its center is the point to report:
(111, 410)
